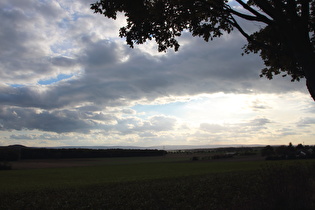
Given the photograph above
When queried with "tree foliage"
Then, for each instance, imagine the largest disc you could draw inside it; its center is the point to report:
(12, 153)
(285, 41)
(288, 152)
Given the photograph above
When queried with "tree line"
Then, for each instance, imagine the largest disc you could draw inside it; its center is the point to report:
(288, 152)
(14, 153)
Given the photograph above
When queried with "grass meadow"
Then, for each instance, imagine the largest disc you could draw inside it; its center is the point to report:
(161, 183)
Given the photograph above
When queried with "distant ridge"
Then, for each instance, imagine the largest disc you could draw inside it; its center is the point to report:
(17, 146)
(188, 147)
(98, 147)
(162, 147)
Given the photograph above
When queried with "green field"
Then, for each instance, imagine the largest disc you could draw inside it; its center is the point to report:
(32, 179)
(161, 183)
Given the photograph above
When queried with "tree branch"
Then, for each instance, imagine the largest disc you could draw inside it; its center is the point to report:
(254, 12)
(249, 17)
(247, 36)
(239, 28)
(305, 11)
(265, 7)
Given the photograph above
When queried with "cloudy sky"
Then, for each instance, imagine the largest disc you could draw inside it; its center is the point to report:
(67, 79)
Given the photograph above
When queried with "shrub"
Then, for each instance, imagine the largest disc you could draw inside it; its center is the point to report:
(195, 158)
(5, 166)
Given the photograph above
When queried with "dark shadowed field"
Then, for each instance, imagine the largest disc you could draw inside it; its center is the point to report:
(179, 157)
(174, 181)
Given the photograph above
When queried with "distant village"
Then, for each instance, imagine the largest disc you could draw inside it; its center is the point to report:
(288, 152)
(282, 152)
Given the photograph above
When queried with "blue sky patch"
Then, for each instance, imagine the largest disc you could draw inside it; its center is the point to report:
(16, 85)
(56, 79)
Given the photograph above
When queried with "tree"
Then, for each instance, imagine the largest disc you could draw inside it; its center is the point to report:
(285, 42)
(300, 147)
(267, 151)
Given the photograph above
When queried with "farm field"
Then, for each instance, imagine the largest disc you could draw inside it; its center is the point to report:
(41, 174)
(168, 182)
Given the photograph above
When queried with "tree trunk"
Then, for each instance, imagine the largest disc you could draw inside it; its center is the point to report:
(311, 87)
(306, 58)
(304, 52)
(297, 37)
(307, 62)
(310, 79)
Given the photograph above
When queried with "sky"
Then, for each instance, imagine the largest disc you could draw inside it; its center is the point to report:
(67, 79)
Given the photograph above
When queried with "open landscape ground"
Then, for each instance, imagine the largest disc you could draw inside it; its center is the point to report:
(166, 182)
(74, 162)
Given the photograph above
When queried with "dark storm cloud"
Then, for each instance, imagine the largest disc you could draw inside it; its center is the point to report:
(63, 61)
(40, 40)
(59, 121)
(107, 81)
(44, 136)
(196, 69)
(98, 54)
(199, 67)
(218, 66)
(33, 96)
(29, 32)
(23, 137)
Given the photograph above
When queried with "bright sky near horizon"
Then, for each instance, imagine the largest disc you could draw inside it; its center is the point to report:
(67, 79)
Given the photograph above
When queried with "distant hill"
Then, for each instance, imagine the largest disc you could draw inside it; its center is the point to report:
(161, 147)
(164, 147)
(187, 147)
(98, 147)
(16, 146)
